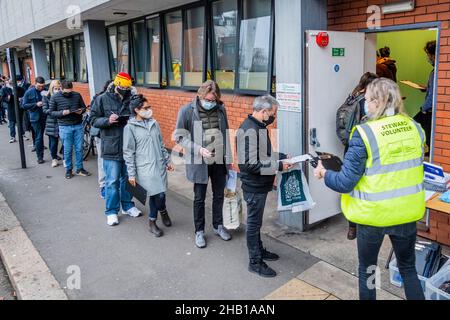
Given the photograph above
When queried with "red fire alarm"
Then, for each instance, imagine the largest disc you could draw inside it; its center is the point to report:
(322, 39)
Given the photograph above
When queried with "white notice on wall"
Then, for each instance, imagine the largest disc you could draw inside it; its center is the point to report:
(289, 96)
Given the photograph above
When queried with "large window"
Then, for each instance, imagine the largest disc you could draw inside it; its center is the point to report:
(112, 48)
(229, 41)
(174, 30)
(57, 56)
(139, 50)
(255, 45)
(67, 59)
(194, 47)
(146, 51)
(68, 65)
(224, 15)
(123, 62)
(80, 59)
(154, 52)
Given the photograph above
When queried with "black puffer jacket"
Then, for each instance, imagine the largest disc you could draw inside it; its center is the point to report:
(111, 134)
(72, 101)
(51, 124)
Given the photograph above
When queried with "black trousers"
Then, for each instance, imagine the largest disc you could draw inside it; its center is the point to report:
(218, 175)
(426, 121)
(403, 238)
(256, 202)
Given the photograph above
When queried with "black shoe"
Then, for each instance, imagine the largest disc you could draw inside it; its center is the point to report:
(351, 234)
(165, 218)
(83, 173)
(157, 232)
(262, 269)
(58, 158)
(269, 256)
(69, 174)
(41, 161)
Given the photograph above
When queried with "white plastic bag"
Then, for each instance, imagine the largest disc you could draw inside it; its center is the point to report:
(293, 192)
(232, 210)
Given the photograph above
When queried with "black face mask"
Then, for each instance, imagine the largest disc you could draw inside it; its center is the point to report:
(269, 121)
(123, 92)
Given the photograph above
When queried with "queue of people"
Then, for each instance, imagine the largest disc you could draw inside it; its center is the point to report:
(382, 187)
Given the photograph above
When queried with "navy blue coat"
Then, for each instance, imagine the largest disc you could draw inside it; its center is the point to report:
(352, 170)
(29, 101)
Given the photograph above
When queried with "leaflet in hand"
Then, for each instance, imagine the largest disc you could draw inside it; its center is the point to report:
(298, 159)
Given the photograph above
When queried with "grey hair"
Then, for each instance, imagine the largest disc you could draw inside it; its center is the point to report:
(265, 103)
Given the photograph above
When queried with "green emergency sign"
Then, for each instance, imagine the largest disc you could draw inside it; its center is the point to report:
(338, 52)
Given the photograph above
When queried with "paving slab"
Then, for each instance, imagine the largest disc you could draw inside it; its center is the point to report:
(337, 282)
(297, 289)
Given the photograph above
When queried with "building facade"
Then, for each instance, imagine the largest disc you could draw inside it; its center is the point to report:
(171, 46)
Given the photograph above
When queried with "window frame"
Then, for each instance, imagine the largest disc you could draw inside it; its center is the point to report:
(205, 43)
(268, 90)
(209, 52)
(75, 59)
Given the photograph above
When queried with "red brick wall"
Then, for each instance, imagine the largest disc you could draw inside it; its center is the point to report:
(345, 15)
(83, 89)
(5, 69)
(29, 63)
(167, 103)
(439, 228)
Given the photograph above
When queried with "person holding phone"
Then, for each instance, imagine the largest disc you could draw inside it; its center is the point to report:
(106, 112)
(68, 107)
(206, 158)
(32, 102)
(147, 159)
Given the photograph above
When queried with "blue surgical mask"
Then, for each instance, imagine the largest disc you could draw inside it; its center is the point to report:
(366, 108)
(207, 105)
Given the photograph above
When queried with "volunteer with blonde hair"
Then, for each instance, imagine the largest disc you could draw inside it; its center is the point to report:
(382, 186)
(51, 125)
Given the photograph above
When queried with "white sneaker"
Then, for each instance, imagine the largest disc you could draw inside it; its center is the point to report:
(12, 140)
(112, 220)
(55, 163)
(133, 212)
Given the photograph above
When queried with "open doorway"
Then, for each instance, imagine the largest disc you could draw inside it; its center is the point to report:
(402, 55)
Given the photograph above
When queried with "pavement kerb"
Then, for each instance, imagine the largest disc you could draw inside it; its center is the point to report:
(29, 274)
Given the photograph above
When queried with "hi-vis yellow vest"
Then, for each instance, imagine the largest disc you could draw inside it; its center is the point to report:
(391, 192)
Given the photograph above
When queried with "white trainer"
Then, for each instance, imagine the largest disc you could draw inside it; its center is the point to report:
(133, 212)
(55, 163)
(112, 220)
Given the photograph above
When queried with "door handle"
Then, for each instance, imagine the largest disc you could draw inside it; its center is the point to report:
(313, 138)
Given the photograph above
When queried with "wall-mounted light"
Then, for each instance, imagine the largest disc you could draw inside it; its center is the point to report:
(399, 6)
(119, 13)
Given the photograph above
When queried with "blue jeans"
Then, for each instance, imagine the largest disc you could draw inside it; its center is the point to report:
(403, 238)
(116, 177)
(12, 128)
(72, 136)
(38, 129)
(157, 203)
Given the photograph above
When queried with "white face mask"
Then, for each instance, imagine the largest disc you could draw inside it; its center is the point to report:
(146, 114)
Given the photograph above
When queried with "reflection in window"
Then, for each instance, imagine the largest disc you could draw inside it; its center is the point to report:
(57, 59)
(224, 14)
(122, 49)
(139, 50)
(67, 60)
(152, 76)
(80, 59)
(112, 35)
(50, 60)
(174, 29)
(254, 47)
(194, 40)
